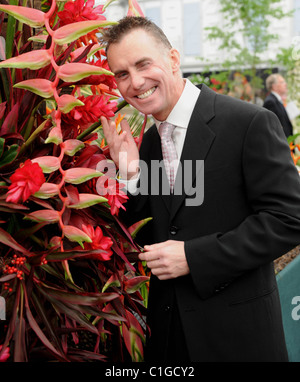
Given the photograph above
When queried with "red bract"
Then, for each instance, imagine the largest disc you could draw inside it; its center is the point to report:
(110, 189)
(79, 10)
(99, 241)
(5, 355)
(25, 182)
(94, 107)
(100, 79)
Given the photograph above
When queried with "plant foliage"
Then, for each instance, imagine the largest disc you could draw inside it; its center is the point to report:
(68, 272)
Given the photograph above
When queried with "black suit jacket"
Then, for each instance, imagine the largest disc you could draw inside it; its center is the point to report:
(273, 104)
(250, 215)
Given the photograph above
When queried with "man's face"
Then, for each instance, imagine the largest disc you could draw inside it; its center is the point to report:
(146, 73)
(280, 86)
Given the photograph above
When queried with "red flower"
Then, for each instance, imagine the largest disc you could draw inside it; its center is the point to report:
(99, 241)
(5, 355)
(215, 81)
(25, 181)
(94, 107)
(79, 10)
(110, 189)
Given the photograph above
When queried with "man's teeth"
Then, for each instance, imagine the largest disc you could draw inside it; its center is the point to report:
(147, 93)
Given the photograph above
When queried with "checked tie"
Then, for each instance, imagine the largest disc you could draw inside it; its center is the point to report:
(169, 151)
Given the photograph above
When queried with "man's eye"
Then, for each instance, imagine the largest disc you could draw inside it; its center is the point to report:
(120, 75)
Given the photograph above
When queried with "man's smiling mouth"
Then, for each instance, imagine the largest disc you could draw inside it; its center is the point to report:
(147, 94)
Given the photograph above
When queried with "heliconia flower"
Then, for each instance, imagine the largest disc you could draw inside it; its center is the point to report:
(110, 189)
(134, 9)
(39, 86)
(100, 79)
(71, 146)
(25, 182)
(87, 200)
(49, 216)
(80, 10)
(5, 355)
(30, 16)
(39, 38)
(47, 163)
(94, 107)
(77, 52)
(76, 71)
(79, 175)
(67, 102)
(33, 60)
(55, 136)
(76, 235)
(71, 32)
(47, 190)
(99, 241)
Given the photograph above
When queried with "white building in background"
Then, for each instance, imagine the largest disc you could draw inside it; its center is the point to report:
(184, 22)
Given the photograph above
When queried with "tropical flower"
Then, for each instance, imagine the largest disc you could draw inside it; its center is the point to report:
(80, 10)
(94, 107)
(101, 79)
(112, 190)
(99, 241)
(25, 182)
(5, 355)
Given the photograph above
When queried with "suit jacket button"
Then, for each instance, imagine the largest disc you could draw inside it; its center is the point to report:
(173, 230)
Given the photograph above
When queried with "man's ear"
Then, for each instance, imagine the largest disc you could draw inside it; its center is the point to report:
(175, 59)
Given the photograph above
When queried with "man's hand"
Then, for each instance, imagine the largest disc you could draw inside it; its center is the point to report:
(122, 147)
(166, 260)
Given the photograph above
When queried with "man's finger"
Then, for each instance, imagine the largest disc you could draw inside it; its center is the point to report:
(109, 129)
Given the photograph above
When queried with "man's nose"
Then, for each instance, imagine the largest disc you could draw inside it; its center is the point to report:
(137, 81)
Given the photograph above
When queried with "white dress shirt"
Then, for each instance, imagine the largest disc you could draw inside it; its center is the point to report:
(277, 96)
(179, 117)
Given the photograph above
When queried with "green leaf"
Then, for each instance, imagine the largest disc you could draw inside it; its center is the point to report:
(2, 141)
(9, 155)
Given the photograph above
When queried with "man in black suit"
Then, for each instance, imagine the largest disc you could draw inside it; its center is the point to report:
(277, 88)
(213, 292)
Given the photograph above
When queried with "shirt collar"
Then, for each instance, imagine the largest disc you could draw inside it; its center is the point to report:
(277, 96)
(181, 114)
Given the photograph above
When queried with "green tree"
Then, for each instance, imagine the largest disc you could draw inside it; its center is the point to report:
(250, 20)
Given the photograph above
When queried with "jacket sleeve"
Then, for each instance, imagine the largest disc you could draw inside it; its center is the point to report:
(272, 186)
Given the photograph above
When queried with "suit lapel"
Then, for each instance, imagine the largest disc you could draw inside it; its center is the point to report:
(199, 138)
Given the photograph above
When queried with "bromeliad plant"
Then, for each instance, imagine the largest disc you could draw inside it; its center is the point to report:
(72, 288)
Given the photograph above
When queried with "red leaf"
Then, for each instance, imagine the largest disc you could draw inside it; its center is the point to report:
(39, 332)
(7, 239)
(11, 121)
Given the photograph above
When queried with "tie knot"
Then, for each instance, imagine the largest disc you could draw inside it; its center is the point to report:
(166, 130)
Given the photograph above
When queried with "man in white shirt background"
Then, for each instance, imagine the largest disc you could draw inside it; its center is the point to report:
(277, 88)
